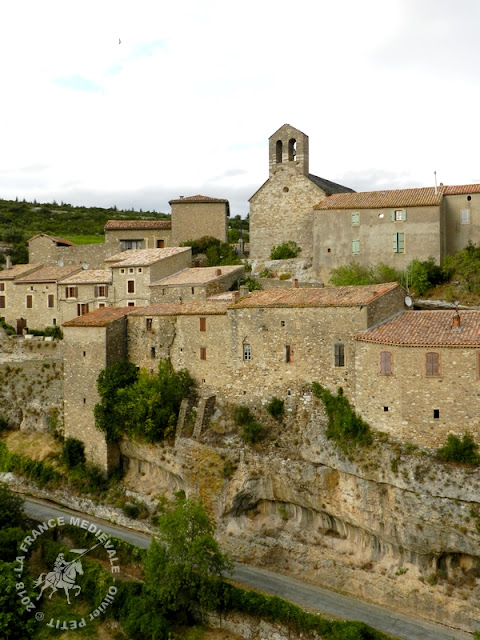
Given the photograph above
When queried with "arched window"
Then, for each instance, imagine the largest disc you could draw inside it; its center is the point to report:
(279, 151)
(292, 149)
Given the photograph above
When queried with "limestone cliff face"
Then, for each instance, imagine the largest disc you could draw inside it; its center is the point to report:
(388, 524)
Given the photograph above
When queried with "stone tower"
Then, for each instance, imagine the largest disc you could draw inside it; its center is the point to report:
(288, 146)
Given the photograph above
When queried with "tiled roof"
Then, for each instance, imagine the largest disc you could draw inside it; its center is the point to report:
(197, 275)
(427, 329)
(69, 243)
(100, 317)
(90, 276)
(143, 257)
(197, 199)
(195, 308)
(461, 189)
(325, 297)
(120, 225)
(226, 296)
(424, 197)
(50, 274)
(328, 186)
(18, 270)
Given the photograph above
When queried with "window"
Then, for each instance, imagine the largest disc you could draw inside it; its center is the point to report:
(122, 271)
(130, 286)
(247, 351)
(193, 291)
(127, 245)
(465, 216)
(139, 270)
(355, 247)
(356, 218)
(152, 352)
(51, 301)
(160, 244)
(432, 364)
(398, 242)
(203, 353)
(436, 414)
(71, 292)
(289, 353)
(82, 308)
(131, 304)
(29, 302)
(203, 324)
(148, 324)
(386, 362)
(339, 349)
(2, 302)
(101, 305)
(54, 322)
(292, 149)
(397, 215)
(101, 291)
(131, 270)
(279, 151)
(282, 323)
(385, 409)
(2, 286)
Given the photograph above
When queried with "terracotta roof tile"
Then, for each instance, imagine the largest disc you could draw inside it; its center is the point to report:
(427, 329)
(198, 307)
(325, 297)
(197, 275)
(119, 225)
(100, 317)
(18, 270)
(50, 274)
(198, 198)
(461, 189)
(424, 197)
(89, 276)
(143, 257)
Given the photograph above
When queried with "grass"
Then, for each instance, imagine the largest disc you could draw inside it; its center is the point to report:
(84, 239)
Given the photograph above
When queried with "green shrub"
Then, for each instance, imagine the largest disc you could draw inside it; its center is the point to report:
(251, 283)
(276, 408)
(9, 330)
(285, 276)
(4, 425)
(463, 450)
(285, 250)
(135, 509)
(73, 452)
(465, 265)
(54, 332)
(353, 274)
(424, 275)
(265, 273)
(242, 415)
(252, 432)
(344, 425)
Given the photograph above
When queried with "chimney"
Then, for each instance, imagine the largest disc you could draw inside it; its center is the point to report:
(244, 291)
(235, 296)
(8, 262)
(218, 272)
(295, 283)
(456, 322)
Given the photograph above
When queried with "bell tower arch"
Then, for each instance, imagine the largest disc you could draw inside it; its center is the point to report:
(288, 147)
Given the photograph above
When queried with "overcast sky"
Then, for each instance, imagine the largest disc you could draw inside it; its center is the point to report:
(387, 91)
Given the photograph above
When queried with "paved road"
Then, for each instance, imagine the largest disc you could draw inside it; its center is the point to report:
(322, 600)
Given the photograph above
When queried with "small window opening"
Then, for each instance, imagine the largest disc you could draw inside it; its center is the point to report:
(339, 354)
(247, 351)
(84, 401)
(436, 414)
(282, 323)
(289, 393)
(286, 189)
(469, 198)
(289, 353)
(54, 322)
(292, 149)
(152, 352)
(84, 354)
(329, 250)
(148, 323)
(279, 151)
(385, 408)
(193, 291)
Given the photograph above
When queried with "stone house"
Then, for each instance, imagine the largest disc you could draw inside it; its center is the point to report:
(418, 375)
(50, 251)
(122, 235)
(43, 248)
(282, 208)
(84, 291)
(9, 309)
(197, 216)
(196, 283)
(133, 272)
(32, 296)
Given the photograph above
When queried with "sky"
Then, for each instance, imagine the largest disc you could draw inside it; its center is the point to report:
(133, 104)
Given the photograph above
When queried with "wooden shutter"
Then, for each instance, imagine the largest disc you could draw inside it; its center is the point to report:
(385, 363)
(203, 324)
(339, 354)
(432, 367)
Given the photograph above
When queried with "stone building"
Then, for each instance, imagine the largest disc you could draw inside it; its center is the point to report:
(83, 292)
(282, 208)
(197, 216)
(196, 283)
(123, 235)
(418, 375)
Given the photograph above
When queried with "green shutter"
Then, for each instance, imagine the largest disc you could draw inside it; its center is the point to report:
(392, 215)
(401, 242)
(404, 214)
(395, 242)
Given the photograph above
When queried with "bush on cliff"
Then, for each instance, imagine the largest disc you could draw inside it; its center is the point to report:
(344, 424)
(464, 450)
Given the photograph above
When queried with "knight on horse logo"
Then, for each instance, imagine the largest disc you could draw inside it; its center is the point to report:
(63, 575)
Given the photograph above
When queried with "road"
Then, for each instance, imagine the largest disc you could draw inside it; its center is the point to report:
(300, 593)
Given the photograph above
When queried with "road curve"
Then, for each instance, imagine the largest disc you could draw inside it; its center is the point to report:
(300, 593)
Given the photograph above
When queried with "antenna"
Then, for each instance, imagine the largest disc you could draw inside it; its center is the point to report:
(435, 177)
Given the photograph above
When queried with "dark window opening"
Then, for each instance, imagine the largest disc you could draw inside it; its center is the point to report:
(385, 408)
(152, 352)
(160, 244)
(339, 354)
(148, 323)
(279, 151)
(436, 414)
(289, 353)
(130, 286)
(292, 149)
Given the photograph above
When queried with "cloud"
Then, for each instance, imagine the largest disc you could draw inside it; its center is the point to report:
(77, 83)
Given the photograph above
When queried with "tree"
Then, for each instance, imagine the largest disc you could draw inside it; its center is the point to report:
(182, 564)
(109, 382)
(15, 623)
(11, 508)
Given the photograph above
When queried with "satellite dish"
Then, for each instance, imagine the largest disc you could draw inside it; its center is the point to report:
(60, 263)
(408, 301)
(84, 265)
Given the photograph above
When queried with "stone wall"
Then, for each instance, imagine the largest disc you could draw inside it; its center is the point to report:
(458, 234)
(150, 237)
(402, 404)
(191, 220)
